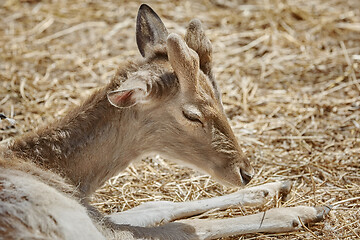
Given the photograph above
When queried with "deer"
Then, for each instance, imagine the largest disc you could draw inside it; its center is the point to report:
(168, 103)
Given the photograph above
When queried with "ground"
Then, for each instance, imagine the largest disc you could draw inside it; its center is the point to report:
(289, 73)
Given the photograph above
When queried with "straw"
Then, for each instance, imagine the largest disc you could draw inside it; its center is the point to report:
(289, 73)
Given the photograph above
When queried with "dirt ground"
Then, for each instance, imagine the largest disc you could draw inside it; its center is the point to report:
(290, 78)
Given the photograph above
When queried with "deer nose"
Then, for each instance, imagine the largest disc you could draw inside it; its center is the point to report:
(246, 177)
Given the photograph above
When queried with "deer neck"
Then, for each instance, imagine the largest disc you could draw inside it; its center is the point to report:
(91, 144)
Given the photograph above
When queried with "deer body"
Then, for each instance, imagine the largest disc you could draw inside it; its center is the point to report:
(167, 103)
(74, 146)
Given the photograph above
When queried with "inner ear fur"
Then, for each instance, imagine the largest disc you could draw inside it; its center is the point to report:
(126, 98)
(131, 92)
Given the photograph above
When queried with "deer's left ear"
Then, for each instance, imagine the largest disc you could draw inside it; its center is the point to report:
(131, 92)
(126, 98)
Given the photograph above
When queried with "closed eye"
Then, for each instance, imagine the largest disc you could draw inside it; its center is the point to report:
(192, 117)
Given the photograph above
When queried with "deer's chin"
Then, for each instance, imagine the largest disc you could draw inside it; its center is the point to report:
(230, 179)
(228, 183)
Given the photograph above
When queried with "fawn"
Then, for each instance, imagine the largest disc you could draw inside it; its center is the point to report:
(168, 103)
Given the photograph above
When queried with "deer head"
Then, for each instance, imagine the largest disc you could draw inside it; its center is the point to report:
(175, 97)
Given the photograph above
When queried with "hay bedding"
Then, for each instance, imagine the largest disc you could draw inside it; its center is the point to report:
(289, 73)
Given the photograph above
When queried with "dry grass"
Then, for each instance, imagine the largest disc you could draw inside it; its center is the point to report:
(289, 73)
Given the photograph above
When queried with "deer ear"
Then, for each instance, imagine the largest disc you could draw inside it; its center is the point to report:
(131, 92)
(150, 30)
(126, 98)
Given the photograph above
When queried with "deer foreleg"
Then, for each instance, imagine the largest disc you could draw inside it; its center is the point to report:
(273, 221)
(154, 213)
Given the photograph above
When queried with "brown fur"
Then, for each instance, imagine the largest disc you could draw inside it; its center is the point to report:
(167, 103)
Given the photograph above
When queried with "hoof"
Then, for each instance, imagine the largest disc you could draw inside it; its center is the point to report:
(285, 189)
(322, 211)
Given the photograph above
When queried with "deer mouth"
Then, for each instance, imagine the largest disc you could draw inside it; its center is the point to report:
(245, 177)
(235, 177)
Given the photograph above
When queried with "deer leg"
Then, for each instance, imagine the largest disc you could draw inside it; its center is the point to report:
(272, 221)
(154, 213)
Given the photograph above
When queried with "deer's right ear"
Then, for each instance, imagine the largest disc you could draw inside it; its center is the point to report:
(150, 30)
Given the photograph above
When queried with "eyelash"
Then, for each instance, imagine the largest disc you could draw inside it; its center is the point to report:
(191, 118)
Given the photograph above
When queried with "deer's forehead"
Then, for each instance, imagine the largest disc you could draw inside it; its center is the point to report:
(209, 107)
(206, 91)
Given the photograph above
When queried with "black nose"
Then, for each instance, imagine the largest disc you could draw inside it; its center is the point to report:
(246, 177)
